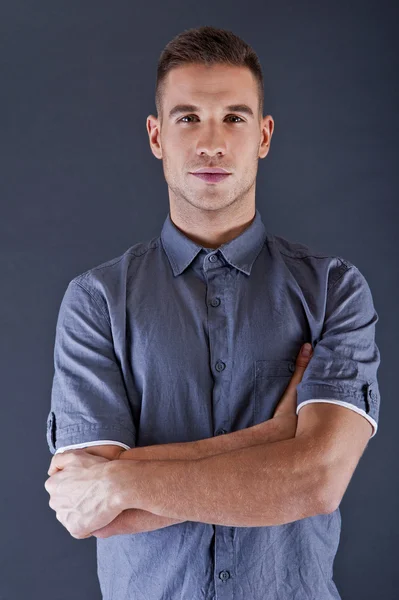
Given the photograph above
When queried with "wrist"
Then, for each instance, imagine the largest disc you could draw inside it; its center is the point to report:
(124, 479)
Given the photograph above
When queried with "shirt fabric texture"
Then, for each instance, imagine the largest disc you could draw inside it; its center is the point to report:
(175, 342)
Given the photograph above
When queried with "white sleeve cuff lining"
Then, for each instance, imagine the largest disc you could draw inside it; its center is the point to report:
(339, 402)
(95, 443)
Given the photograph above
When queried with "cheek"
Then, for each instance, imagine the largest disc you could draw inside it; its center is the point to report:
(176, 153)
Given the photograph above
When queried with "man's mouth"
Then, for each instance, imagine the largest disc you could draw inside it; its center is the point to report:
(212, 177)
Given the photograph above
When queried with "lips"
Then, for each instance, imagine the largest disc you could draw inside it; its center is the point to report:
(210, 169)
(211, 177)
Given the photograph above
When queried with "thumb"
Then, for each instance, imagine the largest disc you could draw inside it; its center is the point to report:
(304, 355)
(59, 462)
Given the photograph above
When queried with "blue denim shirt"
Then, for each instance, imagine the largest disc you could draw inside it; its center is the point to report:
(174, 342)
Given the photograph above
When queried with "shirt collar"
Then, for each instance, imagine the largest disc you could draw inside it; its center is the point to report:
(239, 252)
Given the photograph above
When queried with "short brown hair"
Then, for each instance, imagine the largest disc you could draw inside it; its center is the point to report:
(207, 45)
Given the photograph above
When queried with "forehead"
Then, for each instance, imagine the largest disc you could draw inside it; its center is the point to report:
(202, 83)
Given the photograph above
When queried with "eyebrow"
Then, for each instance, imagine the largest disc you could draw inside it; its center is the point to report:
(182, 108)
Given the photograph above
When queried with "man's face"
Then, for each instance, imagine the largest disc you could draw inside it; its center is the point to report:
(211, 135)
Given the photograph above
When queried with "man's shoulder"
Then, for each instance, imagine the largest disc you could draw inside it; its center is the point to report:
(303, 256)
(296, 249)
(108, 275)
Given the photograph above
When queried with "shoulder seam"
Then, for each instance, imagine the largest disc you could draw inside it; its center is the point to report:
(116, 260)
(295, 254)
(93, 297)
(308, 255)
(343, 269)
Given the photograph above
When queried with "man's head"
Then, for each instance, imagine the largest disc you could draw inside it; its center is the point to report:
(218, 78)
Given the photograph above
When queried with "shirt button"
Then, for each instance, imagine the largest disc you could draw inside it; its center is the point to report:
(372, 394)
(220, 431)
(220, 365)
(215, 301)
(213, 258)
(224, 575)
(291, 367)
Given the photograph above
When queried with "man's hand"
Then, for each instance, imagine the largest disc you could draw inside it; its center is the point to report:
(80, 491)
(284, 415)
(285, 412)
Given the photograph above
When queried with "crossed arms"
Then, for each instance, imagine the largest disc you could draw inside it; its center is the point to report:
(281, 470)
(275, 477)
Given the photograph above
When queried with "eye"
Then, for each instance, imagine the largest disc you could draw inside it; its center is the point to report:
(235, 117)
(229, 116)
(186, 117)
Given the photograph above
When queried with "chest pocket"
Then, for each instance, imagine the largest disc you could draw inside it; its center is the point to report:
(271, 380)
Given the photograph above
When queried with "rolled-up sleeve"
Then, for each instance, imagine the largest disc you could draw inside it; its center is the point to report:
(89, 402)
(344, 364)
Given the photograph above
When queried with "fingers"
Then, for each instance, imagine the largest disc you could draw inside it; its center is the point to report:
(287, 402)
(301, 363)
(53, 469)
(61, 460)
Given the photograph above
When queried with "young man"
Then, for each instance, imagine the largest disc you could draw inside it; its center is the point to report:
(197, 333)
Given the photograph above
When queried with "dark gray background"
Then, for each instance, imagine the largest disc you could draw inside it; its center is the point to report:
(79, 185)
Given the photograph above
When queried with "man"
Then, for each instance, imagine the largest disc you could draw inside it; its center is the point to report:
(197, 333)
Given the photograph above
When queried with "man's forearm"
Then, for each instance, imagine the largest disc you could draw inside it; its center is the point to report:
(268, 431)
(136, 520)
(261, 485)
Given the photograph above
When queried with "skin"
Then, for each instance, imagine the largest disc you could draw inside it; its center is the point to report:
(210, 214)
(80, 492)
(85, 492)
(81, 485)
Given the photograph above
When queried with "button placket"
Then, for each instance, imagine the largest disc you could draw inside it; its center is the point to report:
(218, 321)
